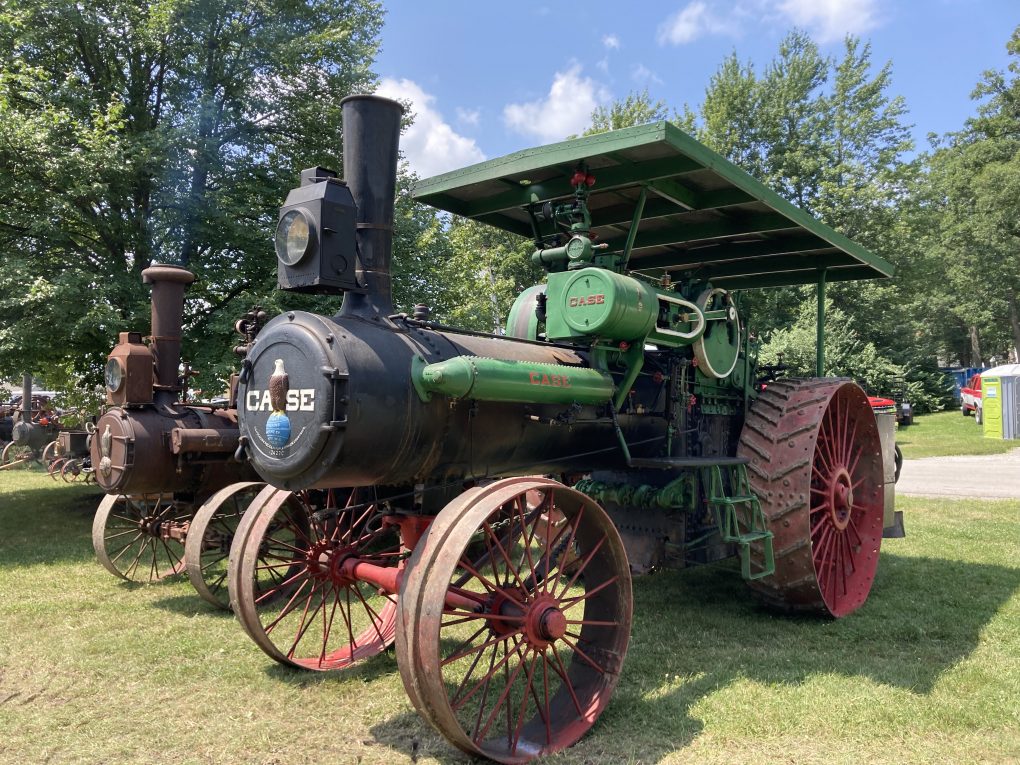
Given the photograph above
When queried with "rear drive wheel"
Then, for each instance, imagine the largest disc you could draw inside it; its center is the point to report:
(816, 466)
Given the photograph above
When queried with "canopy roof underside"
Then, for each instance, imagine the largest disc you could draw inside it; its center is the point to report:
(702, 217)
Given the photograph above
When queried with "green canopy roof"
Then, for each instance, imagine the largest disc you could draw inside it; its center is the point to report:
(702, 215)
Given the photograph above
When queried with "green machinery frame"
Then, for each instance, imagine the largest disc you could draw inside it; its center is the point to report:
(651, 201)
(664, 204)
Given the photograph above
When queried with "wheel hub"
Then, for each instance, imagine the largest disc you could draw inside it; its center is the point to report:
(544, 622)
(841, 497)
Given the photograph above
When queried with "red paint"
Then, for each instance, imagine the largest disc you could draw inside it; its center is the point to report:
(970, 394)
(554, 381)
(576, 302)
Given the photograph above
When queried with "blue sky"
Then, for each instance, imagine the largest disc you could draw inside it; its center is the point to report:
(488, 78)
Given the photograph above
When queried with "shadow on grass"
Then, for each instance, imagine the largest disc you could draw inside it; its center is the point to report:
(190, 603)
(698, 631)
(47, 522)
(363, 672)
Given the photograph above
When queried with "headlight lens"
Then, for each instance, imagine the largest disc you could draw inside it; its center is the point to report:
(294, 236)
(114, 375)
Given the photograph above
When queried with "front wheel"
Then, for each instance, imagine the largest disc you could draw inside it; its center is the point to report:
(139, 538)
(210, 535)
(978, 416)
(512, 629)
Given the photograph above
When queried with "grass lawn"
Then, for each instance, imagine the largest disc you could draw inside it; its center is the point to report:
(947, 433)
(97, 670)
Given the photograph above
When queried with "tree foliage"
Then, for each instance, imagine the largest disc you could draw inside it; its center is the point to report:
(170, 131)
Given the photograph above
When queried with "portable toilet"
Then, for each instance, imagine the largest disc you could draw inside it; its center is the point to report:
(1000, 401)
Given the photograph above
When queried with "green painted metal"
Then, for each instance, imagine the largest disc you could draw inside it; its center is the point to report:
(701, 212)
(522, 321)
(486, 379)
(739, 516)
(820, 322)
(678, 494)
(599, 303)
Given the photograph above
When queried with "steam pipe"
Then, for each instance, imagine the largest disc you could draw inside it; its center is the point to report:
(371, 127)
(168, 283)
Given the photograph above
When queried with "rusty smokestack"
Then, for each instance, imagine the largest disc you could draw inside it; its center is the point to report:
(371, 137)
(168, 284)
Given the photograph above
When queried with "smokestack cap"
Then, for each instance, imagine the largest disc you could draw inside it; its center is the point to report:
(161, 273)
(371, 97)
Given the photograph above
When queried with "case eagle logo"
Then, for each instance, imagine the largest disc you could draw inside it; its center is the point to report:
(278, 424)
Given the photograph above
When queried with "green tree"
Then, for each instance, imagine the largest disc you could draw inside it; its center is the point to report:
(487, 270)
(634, 109)
(975, 181)
(169, 131)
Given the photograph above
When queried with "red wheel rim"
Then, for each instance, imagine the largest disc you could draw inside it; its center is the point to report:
(846, 511)
(815, 463)
(530, 666)
(295, 601)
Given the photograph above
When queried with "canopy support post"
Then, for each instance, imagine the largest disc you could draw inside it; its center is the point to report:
(820, 340)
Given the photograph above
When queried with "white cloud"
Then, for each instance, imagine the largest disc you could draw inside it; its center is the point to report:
(469, 116)
(612, 42)
(830, 20)
(566, 110)
(688, 24)
(642, 75)
(825, 20)
(603, 65)
(430, 144)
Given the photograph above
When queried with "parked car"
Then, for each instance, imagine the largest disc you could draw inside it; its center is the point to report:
(970, 397)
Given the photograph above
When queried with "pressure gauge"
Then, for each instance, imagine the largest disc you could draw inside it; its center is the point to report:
(114, 374)
(295, 236)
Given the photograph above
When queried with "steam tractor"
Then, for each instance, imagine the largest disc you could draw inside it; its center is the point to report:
(629, 376)
(34, 429)
(175, 493)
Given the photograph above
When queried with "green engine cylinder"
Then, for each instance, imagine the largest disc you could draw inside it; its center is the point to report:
(596, 301)
(512, 381)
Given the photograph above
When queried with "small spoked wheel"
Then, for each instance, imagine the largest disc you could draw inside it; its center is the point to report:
(70, 470)
(290, 590)
(140, 538)
(49, 453)
(210, 535)
(514, 619)
(16, 453)
(54, 468)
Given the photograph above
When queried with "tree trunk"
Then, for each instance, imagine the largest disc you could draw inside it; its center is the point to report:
(975, 347)
(1014, 323)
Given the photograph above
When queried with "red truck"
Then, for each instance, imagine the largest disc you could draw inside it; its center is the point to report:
(970, 397)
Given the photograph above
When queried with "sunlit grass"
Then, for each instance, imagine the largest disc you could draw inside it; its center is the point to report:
(946, 434)
(96, 670)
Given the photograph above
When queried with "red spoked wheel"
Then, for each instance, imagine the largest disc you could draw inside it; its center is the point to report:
(514, 619)
(141, 539)
(816, 465)
(291, 591)
(70, 470)
(54, 468)
(210, 537)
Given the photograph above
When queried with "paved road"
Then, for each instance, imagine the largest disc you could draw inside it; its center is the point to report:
(993, 476)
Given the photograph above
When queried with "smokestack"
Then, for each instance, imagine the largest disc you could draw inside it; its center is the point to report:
(371, 135)
(26, 398)
(168, 283)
